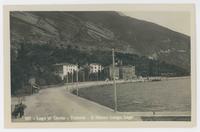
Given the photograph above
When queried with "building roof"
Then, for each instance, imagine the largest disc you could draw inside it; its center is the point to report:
(116, 66)
(111, 66)
(59, 64)
(95, 64)
(127, 66)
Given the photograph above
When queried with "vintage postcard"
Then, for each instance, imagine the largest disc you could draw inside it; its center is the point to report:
(99, 65)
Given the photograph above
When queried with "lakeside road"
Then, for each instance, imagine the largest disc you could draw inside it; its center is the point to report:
(58, 104)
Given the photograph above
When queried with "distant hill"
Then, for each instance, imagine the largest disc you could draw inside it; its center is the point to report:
(89, 31)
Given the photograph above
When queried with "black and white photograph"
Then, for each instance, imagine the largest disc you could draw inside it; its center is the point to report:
(100, 65)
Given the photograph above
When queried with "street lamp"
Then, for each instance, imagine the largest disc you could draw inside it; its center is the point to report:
(114, 82)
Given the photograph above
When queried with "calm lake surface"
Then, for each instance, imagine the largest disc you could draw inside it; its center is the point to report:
(167, 95)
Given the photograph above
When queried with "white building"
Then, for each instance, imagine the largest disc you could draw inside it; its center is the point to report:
(63, 69)
(94, 67)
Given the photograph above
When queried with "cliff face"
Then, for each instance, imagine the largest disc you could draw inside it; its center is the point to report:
(103, 31)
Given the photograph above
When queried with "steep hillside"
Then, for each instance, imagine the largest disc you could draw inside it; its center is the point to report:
(89, 31)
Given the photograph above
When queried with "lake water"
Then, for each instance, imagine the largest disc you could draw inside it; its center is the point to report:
(167, 95)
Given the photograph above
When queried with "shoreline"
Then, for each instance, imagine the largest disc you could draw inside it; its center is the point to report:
(79, 106)
(98, 83)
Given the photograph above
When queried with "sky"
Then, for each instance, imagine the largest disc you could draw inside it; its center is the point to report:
(177, 21)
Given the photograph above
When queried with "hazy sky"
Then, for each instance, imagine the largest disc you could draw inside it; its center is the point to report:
(177, 21)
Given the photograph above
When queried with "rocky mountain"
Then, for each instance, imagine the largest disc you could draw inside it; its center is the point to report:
(100, 30)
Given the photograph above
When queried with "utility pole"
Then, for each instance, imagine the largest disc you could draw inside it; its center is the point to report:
(67, 78)
(97, 76)
(31, 89)
(83, 76)
(114, 83)
(72, 76)
(77, 82)
(67, 83)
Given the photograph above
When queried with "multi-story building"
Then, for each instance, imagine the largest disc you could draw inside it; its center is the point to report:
(95, 68)
(63, 69)
(108, 72)
(121, 72)
(127, 72)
